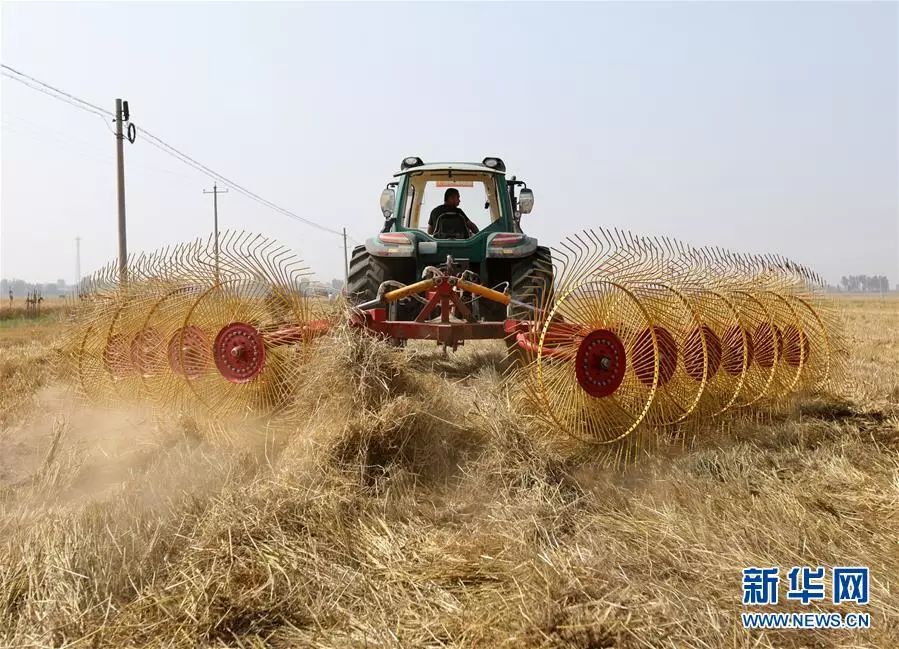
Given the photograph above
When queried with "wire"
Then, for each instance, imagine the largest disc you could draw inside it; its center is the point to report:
(165, 147)
(159, 143)
(168, 149)
(108, 127)
(50, 94)
(60, 94)
(58, 141)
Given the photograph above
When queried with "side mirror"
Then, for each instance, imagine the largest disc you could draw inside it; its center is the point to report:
(388, 202)
(525, 201)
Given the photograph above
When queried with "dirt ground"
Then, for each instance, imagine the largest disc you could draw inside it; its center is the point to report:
(410, 506)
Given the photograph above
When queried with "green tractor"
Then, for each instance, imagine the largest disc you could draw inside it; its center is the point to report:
(493, 253)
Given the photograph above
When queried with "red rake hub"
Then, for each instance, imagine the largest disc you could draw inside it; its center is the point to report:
(736, 350)
(188, 352)
(643, 356)
(768, 345)
(239, 352)
(600, 363)
(796, 346)
(117, 356)
(695, 361)
(148, 351)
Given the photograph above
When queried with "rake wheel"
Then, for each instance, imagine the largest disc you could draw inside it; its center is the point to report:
(588, 371)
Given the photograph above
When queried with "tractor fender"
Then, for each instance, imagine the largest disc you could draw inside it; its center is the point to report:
(508, 245)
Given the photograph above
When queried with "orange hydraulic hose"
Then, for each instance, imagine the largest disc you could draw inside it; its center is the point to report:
(406, 291)
(483, 291)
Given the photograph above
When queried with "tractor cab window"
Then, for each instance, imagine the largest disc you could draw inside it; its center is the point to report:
(437, 192)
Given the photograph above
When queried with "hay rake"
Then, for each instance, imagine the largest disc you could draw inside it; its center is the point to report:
(626, 333)
(651, 332)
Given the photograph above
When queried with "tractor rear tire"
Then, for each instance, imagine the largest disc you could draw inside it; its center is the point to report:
(366, 274)
(528, 278)
(531, 278)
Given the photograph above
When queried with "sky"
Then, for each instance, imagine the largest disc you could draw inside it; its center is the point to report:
(762, 127)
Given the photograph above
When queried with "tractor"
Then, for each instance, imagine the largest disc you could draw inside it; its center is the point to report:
(417, 270)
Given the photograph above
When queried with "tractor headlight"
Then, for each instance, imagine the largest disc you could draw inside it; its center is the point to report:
(494, 163)
(411, 161)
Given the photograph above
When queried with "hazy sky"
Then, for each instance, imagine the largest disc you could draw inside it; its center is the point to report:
(756, 126)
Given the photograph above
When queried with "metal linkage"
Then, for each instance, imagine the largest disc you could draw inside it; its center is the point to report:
(441, 291)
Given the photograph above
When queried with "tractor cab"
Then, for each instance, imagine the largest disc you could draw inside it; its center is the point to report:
(487, 199)
(463, 217)
(484, 223)
(482, 201)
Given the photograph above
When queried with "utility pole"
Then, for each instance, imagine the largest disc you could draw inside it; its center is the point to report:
(215, 213)
(77, 266)
(346, 267)
(120, 177)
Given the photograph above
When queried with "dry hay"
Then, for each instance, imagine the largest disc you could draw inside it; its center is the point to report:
(415, 508)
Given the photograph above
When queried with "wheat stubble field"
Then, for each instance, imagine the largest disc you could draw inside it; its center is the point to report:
(414, 508)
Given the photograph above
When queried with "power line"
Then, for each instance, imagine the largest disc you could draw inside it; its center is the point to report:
(82, 148)
(167, 148)
(159, 143)
(46, 87)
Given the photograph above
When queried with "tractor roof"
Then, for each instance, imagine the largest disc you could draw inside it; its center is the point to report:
(447, 166)
(490, 164)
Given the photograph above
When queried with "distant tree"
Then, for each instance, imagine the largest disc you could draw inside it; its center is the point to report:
(19, 288)
(865, 283)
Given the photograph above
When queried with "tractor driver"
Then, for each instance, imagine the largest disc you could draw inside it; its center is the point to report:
(448, 220)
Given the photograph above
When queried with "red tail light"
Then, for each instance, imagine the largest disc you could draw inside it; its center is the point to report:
(394, 238)
(502, 240)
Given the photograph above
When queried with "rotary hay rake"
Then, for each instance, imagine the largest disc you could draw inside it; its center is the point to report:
(626, 334)
(177, 333)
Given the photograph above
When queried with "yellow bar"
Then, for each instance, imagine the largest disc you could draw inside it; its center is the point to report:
(483, 291)
(406, 291)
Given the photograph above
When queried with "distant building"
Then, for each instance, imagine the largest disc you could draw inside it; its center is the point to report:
(21, 288)
(318, 289)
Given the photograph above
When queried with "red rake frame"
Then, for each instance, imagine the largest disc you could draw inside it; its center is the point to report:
(443, 293)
